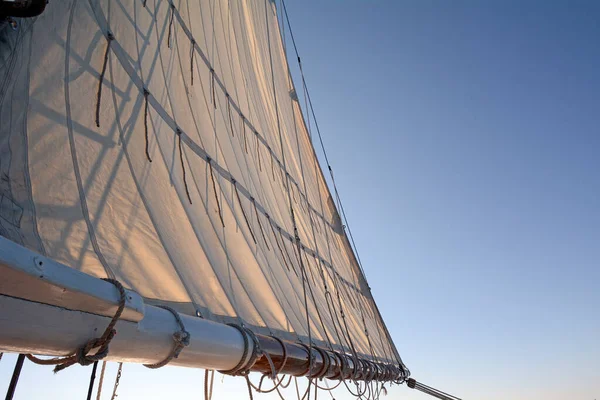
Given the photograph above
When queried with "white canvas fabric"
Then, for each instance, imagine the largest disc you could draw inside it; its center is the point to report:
(90, 196)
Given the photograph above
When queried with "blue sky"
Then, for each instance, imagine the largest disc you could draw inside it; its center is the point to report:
(465, 139)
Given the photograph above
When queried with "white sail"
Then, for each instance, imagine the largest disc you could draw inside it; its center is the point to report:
(161, 144)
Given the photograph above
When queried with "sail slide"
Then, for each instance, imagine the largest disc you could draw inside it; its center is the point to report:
(160, 144)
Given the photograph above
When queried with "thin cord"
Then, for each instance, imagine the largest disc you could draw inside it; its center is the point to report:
(92, 379)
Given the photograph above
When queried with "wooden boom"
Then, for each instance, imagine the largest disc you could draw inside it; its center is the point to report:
(48, 308)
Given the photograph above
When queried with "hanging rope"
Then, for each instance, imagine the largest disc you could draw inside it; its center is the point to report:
(258, 151)
(192, 62)
(233, 181)
(92, 379)
(187, 191)
(278, 245)
(229, 113)
(244, 132)
(262, 232)
(117, 381)
(208, 389)
(146, 94)
(101, 381)
(274, 372)
(15, 377)
(272, 167)
(82, 355)
(212, 87)
(171, 25)
(181, 339)
(249, 384)
(212, 178)
(109, 39)
(286, 250)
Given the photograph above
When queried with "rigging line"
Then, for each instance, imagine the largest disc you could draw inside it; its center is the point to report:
(15, 377)
(349, 339)
(297, 238)
(278, 245)
(109, 39)
(212, 178)
(311, 221)
(190, 36)
(321, 318)
(146, 93)
(319, 134)
(326, 158)
(187, 191)
(181, 339)
(249, 386)
(171, 24)
(192, 62)
(244, 133)
(101, 381)
(262, 232)
(139, 84)
(82, 354)
(237, 194)
(227, 99)
(327, 240)
(193, 146)
(259, 388)
(216, 80)
(327, 388)
(212, 87)
(285, 250)
(297, 390)
(132, 85)
(258, 151)
(208, 385)
(92, 379)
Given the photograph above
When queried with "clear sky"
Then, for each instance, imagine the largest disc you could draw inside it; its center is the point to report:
(465, 139)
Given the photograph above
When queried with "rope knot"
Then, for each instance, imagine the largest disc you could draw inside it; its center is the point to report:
(84, 358)
(81, 355)
(181, 339)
